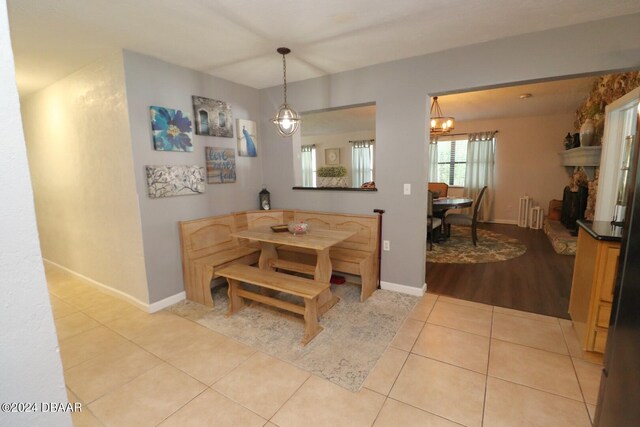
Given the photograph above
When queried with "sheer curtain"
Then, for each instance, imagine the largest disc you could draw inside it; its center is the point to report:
(361, 162)
(433, 162)
(308, 158)
(481, 153)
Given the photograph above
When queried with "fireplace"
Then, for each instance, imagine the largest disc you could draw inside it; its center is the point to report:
(574, 204)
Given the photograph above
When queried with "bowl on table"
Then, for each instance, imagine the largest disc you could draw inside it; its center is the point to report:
(298, 227)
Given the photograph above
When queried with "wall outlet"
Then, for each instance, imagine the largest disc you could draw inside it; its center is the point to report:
(386, 245)
(407, 189)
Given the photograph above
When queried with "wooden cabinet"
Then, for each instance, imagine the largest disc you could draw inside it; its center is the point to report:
(594, 276)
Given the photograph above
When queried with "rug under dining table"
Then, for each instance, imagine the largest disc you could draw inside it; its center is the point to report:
(491, 247)
(354, 337)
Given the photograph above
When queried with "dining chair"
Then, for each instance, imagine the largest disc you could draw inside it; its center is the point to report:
(440, 188)
(433, 224)
(467, 220)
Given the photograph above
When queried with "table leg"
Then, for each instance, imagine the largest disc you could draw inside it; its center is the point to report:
(268, 253)
(326, 299)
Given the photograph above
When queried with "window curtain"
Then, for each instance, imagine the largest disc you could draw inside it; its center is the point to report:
(307, 165)
(433, 162)
(481, 153)
(361, 162)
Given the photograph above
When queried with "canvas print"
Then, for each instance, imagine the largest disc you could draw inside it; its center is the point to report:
(221, 165)
(213, 117)
(247, 139)
(172, 129)
(169, 181)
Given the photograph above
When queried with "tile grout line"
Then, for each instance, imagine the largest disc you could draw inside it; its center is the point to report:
(486, 377)
(288, 399)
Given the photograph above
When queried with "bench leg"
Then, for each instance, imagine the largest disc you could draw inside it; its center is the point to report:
(311, 326)
(204, 275)
(236, 303)
(367, 278)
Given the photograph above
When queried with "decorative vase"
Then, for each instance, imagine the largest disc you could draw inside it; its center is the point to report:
(587, 132)
(568, 142)
(333, 181)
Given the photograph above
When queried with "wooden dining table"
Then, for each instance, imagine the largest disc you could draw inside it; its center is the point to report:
(319, 240)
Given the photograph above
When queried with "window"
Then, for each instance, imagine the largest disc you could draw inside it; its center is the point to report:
(361, 162)
(308, 165)
(452, 161)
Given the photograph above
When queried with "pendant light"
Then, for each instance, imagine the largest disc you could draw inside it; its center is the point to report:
(287, 120)
(439, 123)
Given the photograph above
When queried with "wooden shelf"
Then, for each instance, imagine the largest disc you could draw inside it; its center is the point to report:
(587, 158)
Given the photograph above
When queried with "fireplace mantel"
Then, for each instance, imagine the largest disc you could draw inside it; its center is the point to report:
(588, 158)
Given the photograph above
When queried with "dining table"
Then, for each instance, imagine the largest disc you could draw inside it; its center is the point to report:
(317, 239)
(442, 204)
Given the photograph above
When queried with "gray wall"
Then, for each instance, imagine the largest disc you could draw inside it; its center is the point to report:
(400, 90)
(150, 82)
(31, 369)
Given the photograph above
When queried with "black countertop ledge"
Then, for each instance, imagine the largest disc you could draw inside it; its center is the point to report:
(601, 230)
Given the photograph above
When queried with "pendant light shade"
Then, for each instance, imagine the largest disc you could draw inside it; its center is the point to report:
(287, 119)
(439, 124)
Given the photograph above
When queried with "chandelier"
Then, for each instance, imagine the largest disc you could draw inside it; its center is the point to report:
(439, 123)
(287, 119)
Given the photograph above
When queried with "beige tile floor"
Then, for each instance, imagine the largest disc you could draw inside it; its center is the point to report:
(453, 363)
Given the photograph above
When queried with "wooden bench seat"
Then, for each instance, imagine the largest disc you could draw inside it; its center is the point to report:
(207, 245)
(307, 289)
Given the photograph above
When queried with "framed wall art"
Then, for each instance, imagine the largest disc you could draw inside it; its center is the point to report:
(169, 181)
(332, 156)
(212, 117)
(221, 165)
(246, 134)
(172, 129)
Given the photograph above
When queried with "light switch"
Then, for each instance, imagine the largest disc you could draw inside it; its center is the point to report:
(386, 245)
(407, 189)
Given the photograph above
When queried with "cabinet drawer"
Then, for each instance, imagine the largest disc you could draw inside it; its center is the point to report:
(600, 341)
(604, 314)
(607, 276)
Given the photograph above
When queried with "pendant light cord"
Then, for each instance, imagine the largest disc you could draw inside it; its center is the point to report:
(284, 72)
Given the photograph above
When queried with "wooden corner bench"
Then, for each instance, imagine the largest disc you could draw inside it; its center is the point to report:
(207, 246)
(307, 289)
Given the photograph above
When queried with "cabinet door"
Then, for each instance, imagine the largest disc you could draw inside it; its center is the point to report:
(608, 269)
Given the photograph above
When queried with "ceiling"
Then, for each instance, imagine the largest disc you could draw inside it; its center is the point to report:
(236, 39)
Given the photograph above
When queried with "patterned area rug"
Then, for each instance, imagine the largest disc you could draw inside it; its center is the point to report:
(459, 249)
(354, 337)
(561, 240)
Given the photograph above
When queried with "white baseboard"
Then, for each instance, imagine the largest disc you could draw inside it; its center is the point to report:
(149, 308)
(404, 289)
(157, 306)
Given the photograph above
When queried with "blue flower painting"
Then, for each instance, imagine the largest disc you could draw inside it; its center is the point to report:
(172, 130)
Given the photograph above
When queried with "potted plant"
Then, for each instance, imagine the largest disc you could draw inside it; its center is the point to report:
(332, 176)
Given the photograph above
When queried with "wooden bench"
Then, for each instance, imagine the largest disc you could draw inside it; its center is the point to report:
(207, 246)
(307, 289)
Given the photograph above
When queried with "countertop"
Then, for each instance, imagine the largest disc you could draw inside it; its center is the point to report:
(601, 230)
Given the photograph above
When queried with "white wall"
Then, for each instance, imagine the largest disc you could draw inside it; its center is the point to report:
(400, 91)
(338, 140)
(31, 369)
(77, 134)
(527, 160)
(149, 82)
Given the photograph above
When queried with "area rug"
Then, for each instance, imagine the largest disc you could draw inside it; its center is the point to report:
(354, 337)
(561, 240)
(459, 249)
